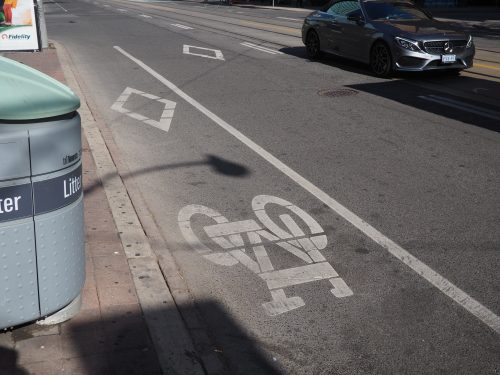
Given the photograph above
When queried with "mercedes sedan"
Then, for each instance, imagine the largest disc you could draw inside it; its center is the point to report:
(388, 35)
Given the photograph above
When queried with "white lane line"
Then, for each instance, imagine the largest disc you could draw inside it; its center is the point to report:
(446, 287)
(462, 106)
(106, 5)
(145, 16)
(289, 19)
(60, 6)
(182, 26)
(121, 10)
(260, 48)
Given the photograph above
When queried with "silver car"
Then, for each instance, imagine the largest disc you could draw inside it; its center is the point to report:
(388, 35)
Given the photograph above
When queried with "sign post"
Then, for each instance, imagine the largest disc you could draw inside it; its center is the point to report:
(19, 26)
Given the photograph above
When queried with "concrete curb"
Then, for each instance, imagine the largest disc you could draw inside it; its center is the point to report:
(170, 336)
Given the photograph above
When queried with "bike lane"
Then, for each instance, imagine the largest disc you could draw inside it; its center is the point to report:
(315, 296)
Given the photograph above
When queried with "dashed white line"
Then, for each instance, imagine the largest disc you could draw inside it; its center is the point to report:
(462, 106)
(121, 10)
(262, 49)
(182, 26)
(290, 19)
(145, 16)
(474, 307)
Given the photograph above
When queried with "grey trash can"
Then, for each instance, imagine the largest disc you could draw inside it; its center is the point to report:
(42, 244)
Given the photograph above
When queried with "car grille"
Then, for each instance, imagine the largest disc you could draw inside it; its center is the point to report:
(437, 47)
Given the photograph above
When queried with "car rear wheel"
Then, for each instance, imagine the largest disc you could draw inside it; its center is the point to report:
(381, 60)
(312, 45)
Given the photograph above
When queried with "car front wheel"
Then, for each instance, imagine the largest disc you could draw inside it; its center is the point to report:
(312, 45)
(380, 60)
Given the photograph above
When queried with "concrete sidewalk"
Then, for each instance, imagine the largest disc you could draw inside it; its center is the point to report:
(129, 322)
(109, 335)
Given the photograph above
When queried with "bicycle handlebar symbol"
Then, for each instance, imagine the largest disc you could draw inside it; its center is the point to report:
(229, 236)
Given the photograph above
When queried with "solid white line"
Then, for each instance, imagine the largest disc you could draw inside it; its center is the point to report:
(446, 287)
(260, 48)
(289, 19)
(459, 106)
(182, 26)
(464, 104)
(467, 105)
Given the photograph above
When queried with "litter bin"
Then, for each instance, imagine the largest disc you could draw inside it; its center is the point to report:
(42, 247)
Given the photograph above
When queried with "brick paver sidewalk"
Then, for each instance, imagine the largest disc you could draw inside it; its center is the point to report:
(109, 335)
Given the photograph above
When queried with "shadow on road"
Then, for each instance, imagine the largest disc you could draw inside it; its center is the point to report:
(217, 164)
(330, 60)
(408, 89)
(437, 102)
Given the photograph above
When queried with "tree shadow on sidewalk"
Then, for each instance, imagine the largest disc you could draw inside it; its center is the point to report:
(119, 343)
(9, 362)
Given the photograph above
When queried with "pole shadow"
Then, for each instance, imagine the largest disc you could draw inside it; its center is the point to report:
(217, 164)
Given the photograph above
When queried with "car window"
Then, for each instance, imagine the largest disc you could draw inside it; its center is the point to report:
(377, 10)
(343, 8)
(356, 12)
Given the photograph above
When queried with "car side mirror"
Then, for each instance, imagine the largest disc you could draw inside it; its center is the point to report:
(356, 18)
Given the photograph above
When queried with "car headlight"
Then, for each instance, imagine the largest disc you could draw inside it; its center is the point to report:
(469, 42)
(408, 44)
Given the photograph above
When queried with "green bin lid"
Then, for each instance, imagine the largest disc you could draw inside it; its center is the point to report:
(27, 94)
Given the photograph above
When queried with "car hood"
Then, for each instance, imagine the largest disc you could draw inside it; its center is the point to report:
(420, 30)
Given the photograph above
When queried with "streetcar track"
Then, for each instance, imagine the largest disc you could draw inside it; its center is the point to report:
(489, 61)
(159, 14)
(248, 22)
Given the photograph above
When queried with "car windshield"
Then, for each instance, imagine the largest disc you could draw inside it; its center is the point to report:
(377, 10)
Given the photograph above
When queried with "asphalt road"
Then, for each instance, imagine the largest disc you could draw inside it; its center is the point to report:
(329, 222)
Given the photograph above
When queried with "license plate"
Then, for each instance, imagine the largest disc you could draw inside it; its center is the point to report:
(448, 58)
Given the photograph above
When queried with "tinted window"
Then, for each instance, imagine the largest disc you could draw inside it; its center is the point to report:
(343, 8)
(356, 12)
(392, 11)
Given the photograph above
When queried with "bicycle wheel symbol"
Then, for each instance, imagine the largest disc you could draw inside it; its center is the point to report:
(231, 249)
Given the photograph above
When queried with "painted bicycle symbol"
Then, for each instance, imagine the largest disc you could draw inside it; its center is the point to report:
(233, 238)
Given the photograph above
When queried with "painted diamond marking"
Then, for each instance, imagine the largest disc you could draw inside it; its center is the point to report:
(191, 50)
(166, 116)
